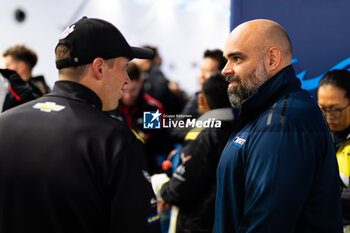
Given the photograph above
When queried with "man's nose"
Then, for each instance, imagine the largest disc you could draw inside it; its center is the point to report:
(227, 70)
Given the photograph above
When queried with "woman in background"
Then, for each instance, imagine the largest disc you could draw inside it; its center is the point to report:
(334, 101)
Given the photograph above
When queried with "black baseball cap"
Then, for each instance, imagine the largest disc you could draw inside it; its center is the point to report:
(89, 38)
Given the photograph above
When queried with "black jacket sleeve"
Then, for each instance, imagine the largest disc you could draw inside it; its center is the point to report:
(345, 199)
(191, 112)
(133, 207)
(196, 173)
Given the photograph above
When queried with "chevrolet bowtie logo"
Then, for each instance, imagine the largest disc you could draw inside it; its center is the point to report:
(48, 107)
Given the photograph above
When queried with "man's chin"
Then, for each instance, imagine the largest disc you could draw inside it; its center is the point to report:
(235, 101)
(231, 88)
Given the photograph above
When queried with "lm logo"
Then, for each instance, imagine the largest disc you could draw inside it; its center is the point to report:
(151, 120)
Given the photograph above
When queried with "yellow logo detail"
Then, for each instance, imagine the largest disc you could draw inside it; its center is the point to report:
(343, 156)
(138, 136)
(48, 107)
(153, 219)
(193, 134)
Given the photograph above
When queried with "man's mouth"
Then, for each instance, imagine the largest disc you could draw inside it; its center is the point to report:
(233, 84)
(234, 81)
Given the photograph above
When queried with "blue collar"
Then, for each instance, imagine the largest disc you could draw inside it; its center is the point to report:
(269, 92)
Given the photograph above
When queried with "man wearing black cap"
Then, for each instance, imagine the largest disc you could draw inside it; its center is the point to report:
(65, 166)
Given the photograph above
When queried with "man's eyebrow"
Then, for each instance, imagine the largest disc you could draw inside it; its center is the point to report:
(332, 106)
(234, 54)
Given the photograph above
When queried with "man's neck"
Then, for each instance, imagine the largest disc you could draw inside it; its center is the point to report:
(26, 76)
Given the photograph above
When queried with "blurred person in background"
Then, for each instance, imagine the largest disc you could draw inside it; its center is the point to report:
(157, 85)
(213, 61)
(192, 187)
(334, 101)
(131, 106)
(22, 60)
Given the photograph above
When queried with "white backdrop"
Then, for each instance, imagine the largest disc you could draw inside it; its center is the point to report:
(181, 30)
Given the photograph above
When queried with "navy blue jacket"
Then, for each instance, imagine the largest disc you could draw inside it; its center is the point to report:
(278, 172)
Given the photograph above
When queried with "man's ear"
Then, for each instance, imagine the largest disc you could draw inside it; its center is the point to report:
(97, 67)
(141, 80)
(273, 59)
(22, 68)
(202, 103)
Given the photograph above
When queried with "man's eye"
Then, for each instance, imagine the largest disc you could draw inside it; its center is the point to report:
(237, 58)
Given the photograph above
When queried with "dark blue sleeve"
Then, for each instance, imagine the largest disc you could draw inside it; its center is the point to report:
(287, 173)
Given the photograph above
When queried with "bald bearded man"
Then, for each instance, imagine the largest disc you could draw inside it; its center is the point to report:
(278, 172)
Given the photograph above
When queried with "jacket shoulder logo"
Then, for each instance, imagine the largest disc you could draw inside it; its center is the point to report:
(48, 107)
(238, 141)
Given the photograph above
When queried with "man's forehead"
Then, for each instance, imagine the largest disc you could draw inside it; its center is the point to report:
(209, 61)
(10, 60)
(234, 45)
(241, 41)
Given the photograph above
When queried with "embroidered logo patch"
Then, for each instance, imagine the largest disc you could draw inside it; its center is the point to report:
(67, 31)
(153, 219)
(180, 171)
(48, 107)
(238, 141)
(153, 201)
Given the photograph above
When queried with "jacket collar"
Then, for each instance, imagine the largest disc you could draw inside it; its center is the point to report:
(269, 92)
(76, 91)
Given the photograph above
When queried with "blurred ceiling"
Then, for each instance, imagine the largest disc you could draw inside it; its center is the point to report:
(221, 7)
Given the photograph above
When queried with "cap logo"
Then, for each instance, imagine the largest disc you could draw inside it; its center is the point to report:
(66, 32)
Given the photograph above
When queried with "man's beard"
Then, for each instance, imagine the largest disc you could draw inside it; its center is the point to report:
(239, 93)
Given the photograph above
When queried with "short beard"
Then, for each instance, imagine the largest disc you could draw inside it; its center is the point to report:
(238, 94)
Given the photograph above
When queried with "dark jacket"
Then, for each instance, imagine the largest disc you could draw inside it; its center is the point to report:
(190, 111)
(66, 166)
(18, 91)
(342, 146)
(193, 186)
(158, 141)
(39, 85)
(278, 172)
